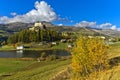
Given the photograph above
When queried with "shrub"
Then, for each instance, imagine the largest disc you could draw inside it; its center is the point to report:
(89, 55)
(51, 57)
(42, 57)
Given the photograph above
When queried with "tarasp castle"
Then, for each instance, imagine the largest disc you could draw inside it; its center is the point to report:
(38, 25)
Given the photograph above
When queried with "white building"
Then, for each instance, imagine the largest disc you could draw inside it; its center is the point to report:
(19, 47)
(37, 26)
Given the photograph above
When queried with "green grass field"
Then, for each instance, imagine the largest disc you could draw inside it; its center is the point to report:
(60, 46)
(39, 71)
(7, 47)
(114, 50)
(11, 65)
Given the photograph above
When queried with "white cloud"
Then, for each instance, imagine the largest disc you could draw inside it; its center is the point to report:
(118, 29)
(4, 19)
(95, 25)
(42, 12)
(85, 24)
(60, 24)
(104, 25)
(13, 13)
(113, 27)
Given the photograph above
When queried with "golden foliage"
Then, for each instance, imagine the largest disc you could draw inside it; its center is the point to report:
(88, 55)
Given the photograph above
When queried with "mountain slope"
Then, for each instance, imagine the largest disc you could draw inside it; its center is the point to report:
(18, 26)
(108, 32)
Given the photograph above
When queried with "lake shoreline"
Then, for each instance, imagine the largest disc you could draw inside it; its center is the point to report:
(31, 49)
(31, 53)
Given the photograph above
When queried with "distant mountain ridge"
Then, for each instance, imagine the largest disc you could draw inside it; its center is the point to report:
(108, 32)
(18, 26)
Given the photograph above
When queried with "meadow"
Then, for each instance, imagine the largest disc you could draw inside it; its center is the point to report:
(11, 65)
(114, 50)
(40, 47)
(44, 70)
(39, 70)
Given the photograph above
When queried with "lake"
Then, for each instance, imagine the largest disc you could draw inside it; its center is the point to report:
(32, 54)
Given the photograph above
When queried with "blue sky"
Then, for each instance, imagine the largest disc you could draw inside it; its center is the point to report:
(67, 12)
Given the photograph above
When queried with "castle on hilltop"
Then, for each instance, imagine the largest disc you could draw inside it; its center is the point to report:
(38, 25)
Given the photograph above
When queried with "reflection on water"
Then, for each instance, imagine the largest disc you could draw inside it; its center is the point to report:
(19, 53)
(31, 54)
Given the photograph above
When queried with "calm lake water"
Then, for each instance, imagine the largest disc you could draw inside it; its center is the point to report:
(32, 54)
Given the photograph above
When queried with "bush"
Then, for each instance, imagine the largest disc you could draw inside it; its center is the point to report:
(42, 57)
(89, 55)
(51, 57)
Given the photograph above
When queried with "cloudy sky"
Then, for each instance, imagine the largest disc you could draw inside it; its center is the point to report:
(80, 13)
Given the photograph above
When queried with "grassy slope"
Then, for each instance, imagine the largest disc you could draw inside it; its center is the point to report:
(114, 50)
(10, 65)
(39, 71)
(114, 73)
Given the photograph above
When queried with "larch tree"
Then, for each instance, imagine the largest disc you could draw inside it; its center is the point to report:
(89, 55)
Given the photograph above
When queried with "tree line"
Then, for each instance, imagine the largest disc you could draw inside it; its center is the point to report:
(27, 36)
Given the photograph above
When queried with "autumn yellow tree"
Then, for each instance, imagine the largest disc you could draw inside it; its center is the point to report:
(89, 55)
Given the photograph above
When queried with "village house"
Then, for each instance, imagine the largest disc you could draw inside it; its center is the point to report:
(19, 47)
(102, 37)
(54, 43)
(63, 40)
(70, 45)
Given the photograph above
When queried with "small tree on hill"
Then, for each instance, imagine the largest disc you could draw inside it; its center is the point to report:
(89, 55)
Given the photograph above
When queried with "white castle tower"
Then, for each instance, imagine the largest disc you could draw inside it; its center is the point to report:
(38, 25)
